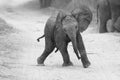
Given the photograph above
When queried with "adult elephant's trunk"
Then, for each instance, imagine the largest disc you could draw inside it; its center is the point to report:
(74, 43)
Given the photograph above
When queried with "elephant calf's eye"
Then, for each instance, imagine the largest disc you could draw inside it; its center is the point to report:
(76, 27)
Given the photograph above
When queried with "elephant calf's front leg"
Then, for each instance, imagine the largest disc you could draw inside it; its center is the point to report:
(86, 63)
(65, 55)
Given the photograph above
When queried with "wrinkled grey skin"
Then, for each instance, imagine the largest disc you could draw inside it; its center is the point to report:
(83, 15)
(108, 9)
(59, 35)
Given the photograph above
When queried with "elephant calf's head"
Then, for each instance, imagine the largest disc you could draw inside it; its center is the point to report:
(83, 15)
(70, 25)
(67, 22)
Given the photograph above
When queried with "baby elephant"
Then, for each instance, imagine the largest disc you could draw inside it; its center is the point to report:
(59, 34)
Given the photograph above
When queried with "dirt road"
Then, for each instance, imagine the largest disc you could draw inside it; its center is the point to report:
(20, 50)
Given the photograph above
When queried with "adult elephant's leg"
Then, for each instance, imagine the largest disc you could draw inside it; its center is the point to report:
(81, 48)
(105, 15)
(49, 47)
(63, 49)
(103, 27)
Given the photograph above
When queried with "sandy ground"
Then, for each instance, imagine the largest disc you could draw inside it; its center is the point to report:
(19, 51)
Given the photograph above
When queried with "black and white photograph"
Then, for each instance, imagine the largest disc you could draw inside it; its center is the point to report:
(59, 39)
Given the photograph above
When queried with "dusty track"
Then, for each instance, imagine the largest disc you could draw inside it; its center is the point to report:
(103, 51)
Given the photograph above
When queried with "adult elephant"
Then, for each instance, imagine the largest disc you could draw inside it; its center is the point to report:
(108, 9)
(59, 35)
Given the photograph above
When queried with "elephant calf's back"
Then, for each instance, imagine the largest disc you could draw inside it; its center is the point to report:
(49, 27)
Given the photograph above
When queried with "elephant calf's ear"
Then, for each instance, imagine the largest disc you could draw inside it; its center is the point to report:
(75, 13)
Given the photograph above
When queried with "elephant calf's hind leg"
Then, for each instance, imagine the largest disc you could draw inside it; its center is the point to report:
(49, 47)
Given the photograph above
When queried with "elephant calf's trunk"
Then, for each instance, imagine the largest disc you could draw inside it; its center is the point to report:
(77, 55)
(74, 43)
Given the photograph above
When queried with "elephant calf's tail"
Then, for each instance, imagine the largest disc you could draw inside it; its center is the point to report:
(40, 38)
(56, 50)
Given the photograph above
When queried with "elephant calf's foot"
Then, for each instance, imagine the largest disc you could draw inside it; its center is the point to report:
(40, 62)
(86, 63)
(67, 64)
